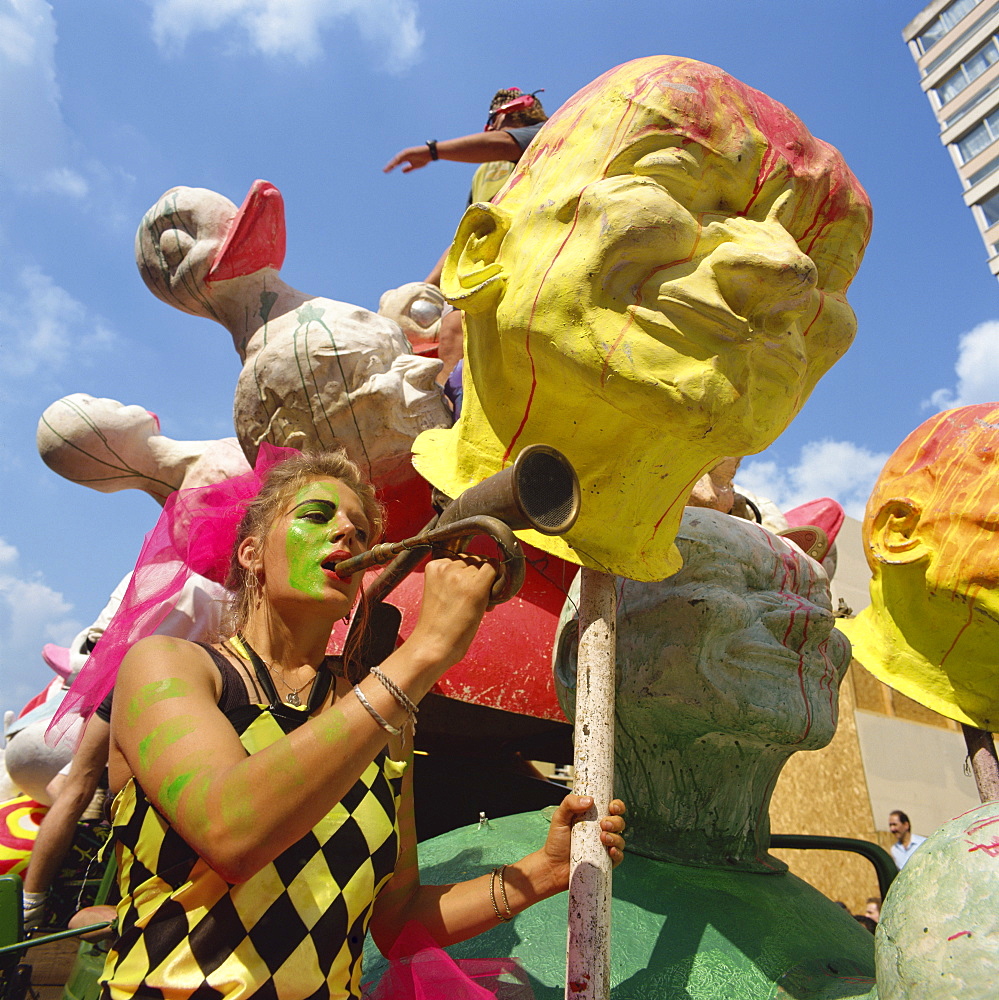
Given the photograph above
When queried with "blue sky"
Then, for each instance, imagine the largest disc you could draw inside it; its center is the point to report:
(108, 103)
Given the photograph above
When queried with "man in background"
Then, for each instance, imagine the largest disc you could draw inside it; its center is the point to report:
(905, 840)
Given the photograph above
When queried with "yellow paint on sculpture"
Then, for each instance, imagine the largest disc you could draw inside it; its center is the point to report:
(932, 629)
(660, 284)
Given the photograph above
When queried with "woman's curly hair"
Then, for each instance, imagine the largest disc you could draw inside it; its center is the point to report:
(283, 481)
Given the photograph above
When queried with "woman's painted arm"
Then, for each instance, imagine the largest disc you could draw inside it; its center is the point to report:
(240, 811)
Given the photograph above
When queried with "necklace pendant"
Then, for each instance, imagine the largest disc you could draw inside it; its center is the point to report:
(293, 699)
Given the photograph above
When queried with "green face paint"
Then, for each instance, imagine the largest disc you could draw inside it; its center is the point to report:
(308, 539)
(163, 736)
(150, 694)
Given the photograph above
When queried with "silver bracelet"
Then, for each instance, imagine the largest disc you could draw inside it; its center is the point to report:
(405, 702)
(387, 726)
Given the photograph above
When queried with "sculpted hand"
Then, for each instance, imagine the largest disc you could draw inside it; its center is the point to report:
(415, 157)
(556, 849)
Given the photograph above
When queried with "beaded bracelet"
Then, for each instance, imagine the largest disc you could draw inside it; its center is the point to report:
(492, 895)
(506, 902)
(387, 726)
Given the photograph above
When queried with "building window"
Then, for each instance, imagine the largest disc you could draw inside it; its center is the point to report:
(968, 71)
(990, 209)
(946, 20)
(979, 175)
(987, 91)
(978, 138)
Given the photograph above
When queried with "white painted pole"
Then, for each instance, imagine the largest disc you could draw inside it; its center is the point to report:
(587, 974)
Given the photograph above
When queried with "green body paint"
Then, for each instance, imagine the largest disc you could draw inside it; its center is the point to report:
(308, 538)
(191, 776)
(150, 694)
(163, 736)
(236, 802)
(237, 809)
(171, 789)
(334, 727)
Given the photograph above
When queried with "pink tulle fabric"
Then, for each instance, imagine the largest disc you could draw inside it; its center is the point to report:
(419, 969)
(195, 533)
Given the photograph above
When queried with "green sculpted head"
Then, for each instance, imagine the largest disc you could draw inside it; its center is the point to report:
(724, 670)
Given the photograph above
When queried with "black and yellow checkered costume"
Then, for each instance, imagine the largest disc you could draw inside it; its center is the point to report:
(294, 931)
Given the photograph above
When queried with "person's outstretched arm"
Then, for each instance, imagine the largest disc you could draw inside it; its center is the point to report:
(481, 147)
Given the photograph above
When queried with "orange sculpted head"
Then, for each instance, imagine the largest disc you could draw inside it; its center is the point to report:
(931, 527)
(937, 501)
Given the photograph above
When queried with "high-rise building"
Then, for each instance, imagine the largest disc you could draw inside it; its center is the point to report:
(956, 46)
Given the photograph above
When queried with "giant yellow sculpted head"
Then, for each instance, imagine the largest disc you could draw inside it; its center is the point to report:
(661, 283)
(931, 527)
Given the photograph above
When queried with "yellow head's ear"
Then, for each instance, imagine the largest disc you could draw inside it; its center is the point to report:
(472, 278)
(895, 536)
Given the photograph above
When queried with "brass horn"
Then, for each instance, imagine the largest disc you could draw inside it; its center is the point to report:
(540, 491)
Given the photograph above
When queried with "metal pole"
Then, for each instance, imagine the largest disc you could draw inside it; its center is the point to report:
(984, 765)
(588, 953)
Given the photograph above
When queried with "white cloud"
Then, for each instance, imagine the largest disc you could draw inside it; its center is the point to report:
(977, 370)
(63, 180)
(291, 28)
(42, 327)
(31, 614)
(8, 553)
(35, 144)
(838, 469)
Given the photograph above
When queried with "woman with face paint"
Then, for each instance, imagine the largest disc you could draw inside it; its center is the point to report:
(264, 810)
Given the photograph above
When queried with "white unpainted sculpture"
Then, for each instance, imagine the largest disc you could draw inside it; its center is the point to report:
(417, 307)
(316, 372)
(31, 763)
(108, 446)
(8, 790)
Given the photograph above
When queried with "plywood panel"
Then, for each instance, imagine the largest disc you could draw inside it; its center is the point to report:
(825, 792)
(916, 768)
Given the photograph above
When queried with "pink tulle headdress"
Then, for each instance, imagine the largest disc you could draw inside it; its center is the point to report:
(195, 533)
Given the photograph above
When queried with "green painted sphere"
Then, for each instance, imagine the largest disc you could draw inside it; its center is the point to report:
(939, 932)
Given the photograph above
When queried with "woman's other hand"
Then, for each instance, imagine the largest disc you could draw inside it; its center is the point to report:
(556, 850)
